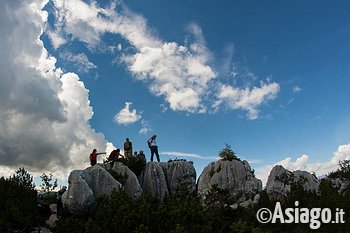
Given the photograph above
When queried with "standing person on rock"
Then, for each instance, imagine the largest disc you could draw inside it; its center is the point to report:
(128, 148)
(152, 144)
(93, 156)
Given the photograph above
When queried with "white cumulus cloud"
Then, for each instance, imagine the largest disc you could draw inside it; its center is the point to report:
(247, 99)
(181, 74)
(44, 113)
(127, 117)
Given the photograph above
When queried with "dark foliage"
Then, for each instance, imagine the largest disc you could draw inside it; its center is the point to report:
(343, 170)
(18, 206)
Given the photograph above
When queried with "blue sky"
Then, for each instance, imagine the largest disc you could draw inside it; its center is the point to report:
(269, 78)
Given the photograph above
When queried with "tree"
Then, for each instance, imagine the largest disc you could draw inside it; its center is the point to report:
(23, 178)
(18, 203)
(228, 154)
(47, 184)
(343, 171)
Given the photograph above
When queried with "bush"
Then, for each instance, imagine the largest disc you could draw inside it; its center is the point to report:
(18, 206)
(228, 154)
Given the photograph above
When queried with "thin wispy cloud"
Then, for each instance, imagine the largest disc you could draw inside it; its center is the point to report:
(79, 61)
(189, 155)
(296, 89)
(145, 127)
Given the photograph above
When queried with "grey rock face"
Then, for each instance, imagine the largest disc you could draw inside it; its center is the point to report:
(179, 173)
(85, 185)
(310, 181)
(280, 181)
(153, 180)
(236, 176)
(131, 183)
(340, 184)
(100, 181)
(79, 198)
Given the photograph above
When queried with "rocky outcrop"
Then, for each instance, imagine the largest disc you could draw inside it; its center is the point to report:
(130, 182)
(85, 185)
(179, 174)
(280, 181)
(161, 179)
(342, 185)
(158, 179)
(153, 180)
(235, 176)
(79, 198)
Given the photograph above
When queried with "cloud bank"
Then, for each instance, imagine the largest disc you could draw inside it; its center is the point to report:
(44, 113)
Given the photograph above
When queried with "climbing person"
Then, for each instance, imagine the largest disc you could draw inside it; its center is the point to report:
(127, 148)
(93, 157)
(152, 144)
(114, 155)
(59, 199)
(141, 156)
(135, 154)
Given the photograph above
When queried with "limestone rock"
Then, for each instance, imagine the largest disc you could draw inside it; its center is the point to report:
(340, 184)
(236, 176)
(131, 183)
(310, 181)
(101, 182)
(153, 180)
(179, 173)
(51, 222)
(280, 181)
(53, 208)
(85, 185)
(79, 198)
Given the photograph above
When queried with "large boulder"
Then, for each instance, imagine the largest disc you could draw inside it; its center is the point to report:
(84, 186)
(235, 176)
(79, 198)
(179, 174)
(280, 181)
(341, 184)
(129, 182)
(101, 181)
(153, 180)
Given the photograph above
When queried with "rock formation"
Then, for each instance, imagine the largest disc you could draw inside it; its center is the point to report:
(131, 184)
(153, 180)
(179, 173)
(85, 186)
(236, 176)
(158, 179)
(280, 181)
(161, 179)
(341, 184)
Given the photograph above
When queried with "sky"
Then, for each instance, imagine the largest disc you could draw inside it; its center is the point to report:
(269, 78)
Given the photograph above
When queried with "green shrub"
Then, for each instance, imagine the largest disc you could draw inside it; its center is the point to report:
(228, 154)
